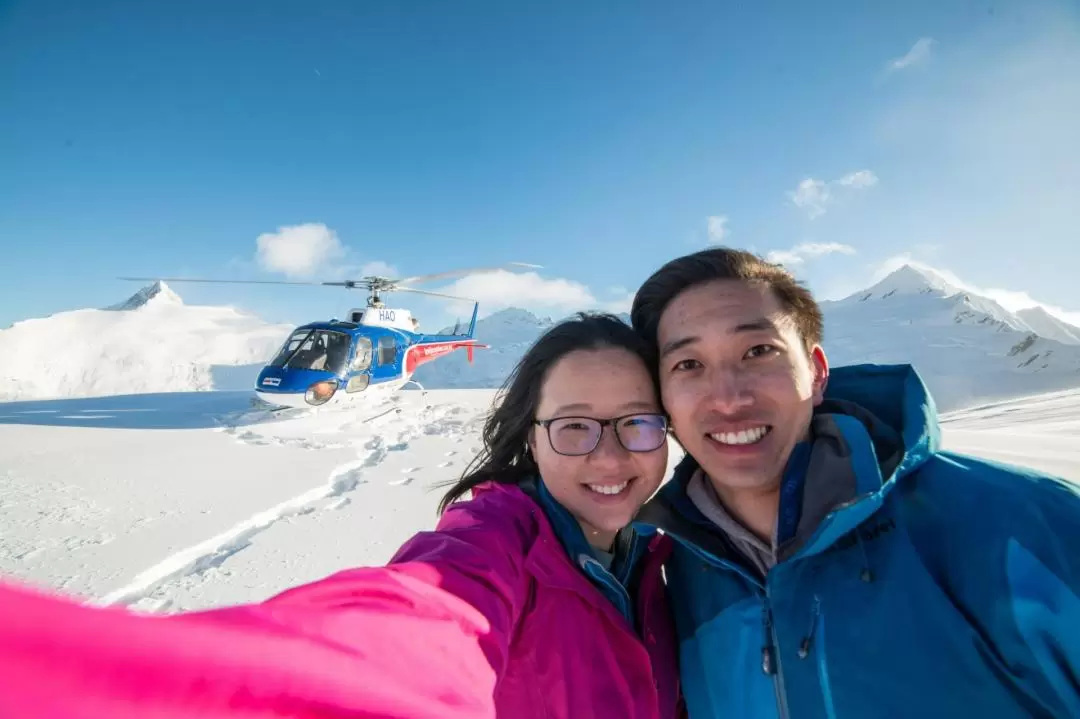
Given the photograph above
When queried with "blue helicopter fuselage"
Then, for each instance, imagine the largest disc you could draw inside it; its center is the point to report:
(336, 361)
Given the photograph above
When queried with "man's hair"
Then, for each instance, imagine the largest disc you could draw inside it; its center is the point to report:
(723, 263)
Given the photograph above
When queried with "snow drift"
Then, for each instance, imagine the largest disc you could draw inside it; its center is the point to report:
(151, 342)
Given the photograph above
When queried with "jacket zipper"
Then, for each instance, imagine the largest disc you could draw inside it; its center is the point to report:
(770, 656)
(772, 652)
(611, 582)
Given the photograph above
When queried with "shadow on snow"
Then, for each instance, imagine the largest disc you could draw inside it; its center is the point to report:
(170, 410)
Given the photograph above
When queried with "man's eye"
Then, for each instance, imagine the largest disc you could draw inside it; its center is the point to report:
(760, 351)
(686, 364)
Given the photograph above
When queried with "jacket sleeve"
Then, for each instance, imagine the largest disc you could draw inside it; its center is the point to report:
(1042, 573)
(425, 636)
(1003, 541)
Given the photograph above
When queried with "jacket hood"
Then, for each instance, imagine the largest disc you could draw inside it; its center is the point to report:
(876, 424)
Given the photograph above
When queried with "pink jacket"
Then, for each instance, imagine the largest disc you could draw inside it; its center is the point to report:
(485, 616)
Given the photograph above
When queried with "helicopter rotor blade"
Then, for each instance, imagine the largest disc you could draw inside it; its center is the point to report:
(433, 294)
(234, 282)
(459, 273)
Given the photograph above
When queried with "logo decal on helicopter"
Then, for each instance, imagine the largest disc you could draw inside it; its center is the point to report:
(334, 361)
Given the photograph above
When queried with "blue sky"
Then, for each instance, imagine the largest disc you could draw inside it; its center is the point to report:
(596, 139)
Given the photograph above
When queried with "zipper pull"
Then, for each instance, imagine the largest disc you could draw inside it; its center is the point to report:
(804, 647)
(768, 653)
(768, 661)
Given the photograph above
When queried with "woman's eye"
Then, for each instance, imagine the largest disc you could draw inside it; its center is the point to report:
(760, 350)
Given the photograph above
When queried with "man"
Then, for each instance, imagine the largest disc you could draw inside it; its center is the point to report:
(830, 559)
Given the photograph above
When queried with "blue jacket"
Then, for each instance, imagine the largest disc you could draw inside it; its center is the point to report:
(619, 581)
(911, 582)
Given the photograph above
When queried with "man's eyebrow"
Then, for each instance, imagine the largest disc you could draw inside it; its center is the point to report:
(763, 324)
(756, 326)
(678, 344)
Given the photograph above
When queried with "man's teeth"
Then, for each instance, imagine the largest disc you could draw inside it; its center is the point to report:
(609, 488)
(747, 436)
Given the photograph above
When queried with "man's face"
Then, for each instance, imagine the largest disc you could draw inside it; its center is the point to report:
(737, 381)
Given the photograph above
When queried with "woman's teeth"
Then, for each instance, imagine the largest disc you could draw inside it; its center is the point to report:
(608, 488)
(747, 436)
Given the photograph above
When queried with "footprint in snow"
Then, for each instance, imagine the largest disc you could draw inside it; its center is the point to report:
(447, 463)
(409, 470)
(400, 482)
(451, 453)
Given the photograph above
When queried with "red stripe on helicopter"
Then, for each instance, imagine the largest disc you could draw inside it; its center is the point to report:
(423, 353)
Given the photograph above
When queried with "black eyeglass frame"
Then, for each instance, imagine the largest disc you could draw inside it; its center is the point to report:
(614, 423)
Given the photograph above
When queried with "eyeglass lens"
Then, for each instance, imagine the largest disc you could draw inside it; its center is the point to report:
(581, 435)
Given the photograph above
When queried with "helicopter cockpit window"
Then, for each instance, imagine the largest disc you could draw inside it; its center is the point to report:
(387, 350)
(314, 350)
(362, 358)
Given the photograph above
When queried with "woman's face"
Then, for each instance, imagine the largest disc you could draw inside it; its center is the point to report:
(604, 488)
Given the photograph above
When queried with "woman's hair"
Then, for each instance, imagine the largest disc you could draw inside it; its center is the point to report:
(504, 456)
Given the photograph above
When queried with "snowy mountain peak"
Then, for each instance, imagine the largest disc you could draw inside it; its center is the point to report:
(155, 294)
(909, 280)
(515, 315)
(1050, 326)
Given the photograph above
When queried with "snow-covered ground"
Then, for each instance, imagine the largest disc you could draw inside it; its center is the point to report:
(1041, 432)
(190, 500)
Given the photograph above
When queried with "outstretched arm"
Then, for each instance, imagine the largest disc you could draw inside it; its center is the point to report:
(425, 636)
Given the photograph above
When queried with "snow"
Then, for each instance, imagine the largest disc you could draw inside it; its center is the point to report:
(968, 349)
(1046, 325)
(1039, 432)
(909, 280)
(151, 342)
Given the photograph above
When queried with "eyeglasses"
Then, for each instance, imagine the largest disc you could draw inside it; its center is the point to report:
(577, 436)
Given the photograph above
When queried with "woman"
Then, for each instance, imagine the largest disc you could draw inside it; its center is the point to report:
(530, 599)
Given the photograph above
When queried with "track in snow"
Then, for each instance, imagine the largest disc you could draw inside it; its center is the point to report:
(150, 588)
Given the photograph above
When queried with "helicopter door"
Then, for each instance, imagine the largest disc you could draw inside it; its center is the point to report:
(387, 350)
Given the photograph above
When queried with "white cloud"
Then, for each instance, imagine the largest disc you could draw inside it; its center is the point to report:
(859, 179)
(528, 290)
(1012, 300)
(815, 195)
(298, 250)
(798, 254)
(619, 304)
(812, 195)
(378, 268)
(918, 54)
(717, 228)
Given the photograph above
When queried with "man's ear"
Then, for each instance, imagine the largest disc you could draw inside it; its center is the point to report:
(530, 440)
(819, 364)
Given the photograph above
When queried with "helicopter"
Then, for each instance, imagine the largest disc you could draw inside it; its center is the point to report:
(336, 361)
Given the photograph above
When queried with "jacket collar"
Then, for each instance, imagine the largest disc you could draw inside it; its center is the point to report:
(616, 583)
(878, 424)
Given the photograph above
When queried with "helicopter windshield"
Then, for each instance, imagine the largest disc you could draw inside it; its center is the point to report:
(314, 349)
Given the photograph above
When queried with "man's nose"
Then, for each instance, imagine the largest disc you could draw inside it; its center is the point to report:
(729, 390)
